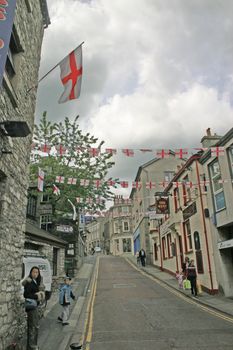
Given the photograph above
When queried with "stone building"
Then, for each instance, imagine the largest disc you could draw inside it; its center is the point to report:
(38, 236)
(95, 234)
(120, 227)
(21, 73)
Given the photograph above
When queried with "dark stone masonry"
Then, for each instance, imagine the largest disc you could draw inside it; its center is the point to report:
(21, 73)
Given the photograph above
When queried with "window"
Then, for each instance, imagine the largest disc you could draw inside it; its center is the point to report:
(55, 258)
(31, 206)
(126, 245)
(188, 235)
(125, 210)
(115, 212)
(168, 175)
(116, 228)
(125, 226)
(45, 198)
(169, 245)
(186, 191)
(45, 222)
(197, 243)
(70, 249)
(176, 199)
(164, 247)
(217, 186)
(11, 66)
(230, 153)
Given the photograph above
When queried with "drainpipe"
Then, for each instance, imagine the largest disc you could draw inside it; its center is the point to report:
(160, 246)
(177, 266)
(204, 226)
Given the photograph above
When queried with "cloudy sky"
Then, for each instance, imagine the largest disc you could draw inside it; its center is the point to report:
(156, 73)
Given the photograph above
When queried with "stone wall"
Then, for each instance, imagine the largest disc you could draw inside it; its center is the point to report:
(16, 104)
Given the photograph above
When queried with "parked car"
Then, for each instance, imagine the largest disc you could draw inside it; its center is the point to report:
(34, 259)
(98, 250)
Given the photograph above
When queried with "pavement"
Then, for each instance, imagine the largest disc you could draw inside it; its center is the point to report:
(216, 302)
(54, 336)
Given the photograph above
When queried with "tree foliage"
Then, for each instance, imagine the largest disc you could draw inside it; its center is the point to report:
(75, 162)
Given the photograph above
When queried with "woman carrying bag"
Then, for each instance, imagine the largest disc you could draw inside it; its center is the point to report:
(33, 294)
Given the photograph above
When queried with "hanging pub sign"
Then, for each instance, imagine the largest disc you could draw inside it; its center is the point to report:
(162, 205)
(7, 11)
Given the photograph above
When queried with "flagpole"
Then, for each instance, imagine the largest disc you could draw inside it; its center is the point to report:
(44, 76)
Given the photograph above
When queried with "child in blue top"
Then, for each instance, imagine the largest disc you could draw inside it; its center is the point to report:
(65, 295)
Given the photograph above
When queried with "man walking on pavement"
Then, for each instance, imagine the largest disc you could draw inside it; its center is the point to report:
(142, 256)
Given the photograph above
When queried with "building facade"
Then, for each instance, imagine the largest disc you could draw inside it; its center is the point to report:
(120, 227)
(218, 166)
(95, 234)
(17, 104)
(186, 230)
(150, 178)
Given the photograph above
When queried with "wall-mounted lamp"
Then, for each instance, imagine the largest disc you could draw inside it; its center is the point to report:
(10, 129)
(14, 128)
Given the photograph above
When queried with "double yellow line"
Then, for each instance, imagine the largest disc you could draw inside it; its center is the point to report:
(185, 298)
(88, 326)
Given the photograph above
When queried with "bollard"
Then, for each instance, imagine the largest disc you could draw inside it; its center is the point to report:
(75, 346)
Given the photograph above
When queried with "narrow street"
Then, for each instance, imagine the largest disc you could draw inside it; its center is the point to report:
(134, 312)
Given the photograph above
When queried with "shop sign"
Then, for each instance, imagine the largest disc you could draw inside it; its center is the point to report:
(162, 205)
(191, 210)
(225, 244)
(65, 228)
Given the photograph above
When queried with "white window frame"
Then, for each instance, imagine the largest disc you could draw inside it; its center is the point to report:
(116, 227)
(215, 178)
(123, 226)
(230, 153)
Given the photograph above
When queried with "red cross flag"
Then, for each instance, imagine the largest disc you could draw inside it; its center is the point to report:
(40, 185)
(56, 190)
(71, 75)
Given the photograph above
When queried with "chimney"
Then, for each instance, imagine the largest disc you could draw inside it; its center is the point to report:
(209, 140)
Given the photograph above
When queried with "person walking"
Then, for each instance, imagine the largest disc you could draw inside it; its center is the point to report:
(192, 277)
(142, 255)
(33, 294)
(185, 266)
(64, 300)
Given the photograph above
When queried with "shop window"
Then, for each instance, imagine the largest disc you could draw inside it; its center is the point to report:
(126, 245)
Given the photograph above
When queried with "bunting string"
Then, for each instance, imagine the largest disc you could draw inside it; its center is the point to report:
(181, 153)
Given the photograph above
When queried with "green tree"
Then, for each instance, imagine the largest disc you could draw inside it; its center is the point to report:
(70, 156)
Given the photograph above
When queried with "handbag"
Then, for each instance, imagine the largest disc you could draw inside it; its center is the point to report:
(30, 304)
(199, 289)
(187, 284)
